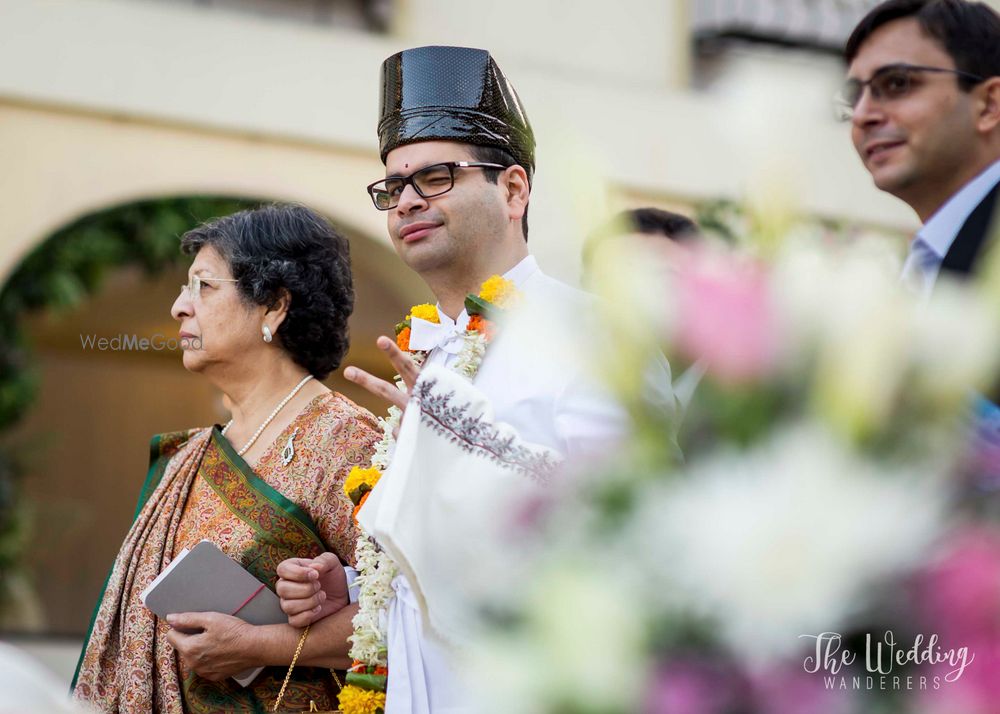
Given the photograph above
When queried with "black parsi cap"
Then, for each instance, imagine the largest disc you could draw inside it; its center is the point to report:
(451, 94)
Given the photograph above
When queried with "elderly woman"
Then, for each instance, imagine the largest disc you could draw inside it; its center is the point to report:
(264, 318)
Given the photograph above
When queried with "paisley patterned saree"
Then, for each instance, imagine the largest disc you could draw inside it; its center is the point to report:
(199, 488)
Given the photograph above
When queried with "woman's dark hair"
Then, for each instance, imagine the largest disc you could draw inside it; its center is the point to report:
(496, 155)
(968, 31)
(291, 248)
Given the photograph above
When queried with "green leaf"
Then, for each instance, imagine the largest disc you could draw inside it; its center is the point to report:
(475, 305)
(357, 494)
(374, 682)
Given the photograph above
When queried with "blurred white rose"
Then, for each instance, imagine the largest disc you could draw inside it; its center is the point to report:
(784, 539)
(581, 647)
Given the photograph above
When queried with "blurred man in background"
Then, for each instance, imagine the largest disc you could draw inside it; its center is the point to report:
(665, 236)
(663, 233)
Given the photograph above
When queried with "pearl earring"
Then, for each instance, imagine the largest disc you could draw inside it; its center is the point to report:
(267, 334)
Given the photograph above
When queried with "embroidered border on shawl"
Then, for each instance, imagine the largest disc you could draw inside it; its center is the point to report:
(474, 434)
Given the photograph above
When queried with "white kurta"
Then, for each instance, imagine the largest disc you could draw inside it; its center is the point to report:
(540, 387)
(535, 386)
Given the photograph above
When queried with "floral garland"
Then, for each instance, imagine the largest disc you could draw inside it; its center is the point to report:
(367, 679)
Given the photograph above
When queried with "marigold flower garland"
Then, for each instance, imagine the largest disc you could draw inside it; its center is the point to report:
(367, 679)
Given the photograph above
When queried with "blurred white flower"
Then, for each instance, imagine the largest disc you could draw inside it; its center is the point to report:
(955, 342)
(581, 648)
(810, 278)
(862, 356)
(770, 154)
(29, 688)
(506, 672)
(635, 310)
(784, 539)
(848, 322)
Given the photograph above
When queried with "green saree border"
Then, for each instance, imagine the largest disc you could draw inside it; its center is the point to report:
(162, 448)
(266, 491)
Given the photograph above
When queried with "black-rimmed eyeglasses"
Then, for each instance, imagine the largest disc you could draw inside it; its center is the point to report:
(893, 81)
(428, 182)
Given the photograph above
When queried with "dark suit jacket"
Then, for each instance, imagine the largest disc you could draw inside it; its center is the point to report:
(973, 236)
(978, 231)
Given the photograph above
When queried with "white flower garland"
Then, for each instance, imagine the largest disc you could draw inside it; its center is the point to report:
(383, 449)
(376, 570)
(471, 355)
(375, 573)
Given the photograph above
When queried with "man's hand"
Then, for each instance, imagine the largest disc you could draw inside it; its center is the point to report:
(311, 589)
(404, 367)
(218, 647)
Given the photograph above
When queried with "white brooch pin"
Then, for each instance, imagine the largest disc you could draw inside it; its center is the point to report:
(288, 453)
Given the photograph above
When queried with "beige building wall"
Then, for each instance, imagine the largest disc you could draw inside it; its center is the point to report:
(288, 110)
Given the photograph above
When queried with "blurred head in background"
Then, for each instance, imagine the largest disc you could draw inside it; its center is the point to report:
(664, 235)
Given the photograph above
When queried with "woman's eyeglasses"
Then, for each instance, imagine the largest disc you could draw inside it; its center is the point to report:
(195, 282)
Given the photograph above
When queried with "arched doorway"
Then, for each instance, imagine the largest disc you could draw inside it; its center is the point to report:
(81, 439)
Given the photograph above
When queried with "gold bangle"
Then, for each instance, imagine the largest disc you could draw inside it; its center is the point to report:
(288, 675)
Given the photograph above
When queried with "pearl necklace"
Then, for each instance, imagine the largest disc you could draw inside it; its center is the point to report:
(270, 418)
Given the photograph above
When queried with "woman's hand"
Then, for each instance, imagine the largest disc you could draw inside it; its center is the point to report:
(311, 588)
(214, 645)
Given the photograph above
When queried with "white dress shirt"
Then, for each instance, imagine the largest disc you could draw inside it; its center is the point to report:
(932, 242)
(550, 401)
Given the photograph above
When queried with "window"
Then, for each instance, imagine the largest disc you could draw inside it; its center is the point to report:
(821, 25)
(367, 15)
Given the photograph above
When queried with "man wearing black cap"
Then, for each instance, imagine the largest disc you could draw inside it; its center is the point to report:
(460, 155)
(449, 118)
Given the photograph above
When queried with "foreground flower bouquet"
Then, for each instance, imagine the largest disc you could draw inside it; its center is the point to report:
(829, 541)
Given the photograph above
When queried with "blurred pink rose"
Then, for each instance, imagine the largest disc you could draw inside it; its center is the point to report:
(725, 317)
(692, 687)
(976, 691)
(958, 598)
(959, 594)
(709, 687)
(792, 690)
